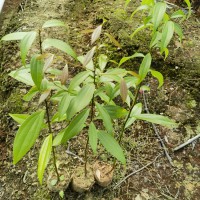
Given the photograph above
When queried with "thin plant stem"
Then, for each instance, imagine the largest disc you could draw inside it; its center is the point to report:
(91, 119)
(48, 117)
(53, 148)
(127, 118)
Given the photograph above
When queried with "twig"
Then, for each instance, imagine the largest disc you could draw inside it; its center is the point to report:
(186, 143)
(120, 182)
(73, 154)
(157, 133)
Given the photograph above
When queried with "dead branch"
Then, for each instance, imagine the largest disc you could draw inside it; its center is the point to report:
(157, 132)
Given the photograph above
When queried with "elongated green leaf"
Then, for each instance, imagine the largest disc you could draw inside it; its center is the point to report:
(59, 44)
(81, 100)
(45, 153)
(78, 79)
(159, 77)
(96, 34)
(105, 117)
(145, 66)
(37, 74)
(63, 105)
(155, 39)
(14, 36)
(189, 8)
(177, 14)
(137, 109)
(140, 28)
(116, 112)
(157, 119)
(142, 7)
(167, 34)
(178, 30)
(27, 135)
(75, 126)
(103, 60)
(58, 139)
(124, 59)
(19, 118)
(22, 75)
(158, 14)
(148, 2)
(92, 132)
(53, 23)
(113, 40)
(111, 145)
(31, 93)
(26, 44)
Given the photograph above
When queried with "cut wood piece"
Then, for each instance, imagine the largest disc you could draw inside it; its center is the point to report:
(80, 182)
(103, 173)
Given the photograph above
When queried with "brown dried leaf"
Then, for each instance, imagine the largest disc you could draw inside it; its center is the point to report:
(123, 90)
(64, 76)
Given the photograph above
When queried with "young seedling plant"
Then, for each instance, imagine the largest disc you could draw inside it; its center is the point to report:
(89, 100)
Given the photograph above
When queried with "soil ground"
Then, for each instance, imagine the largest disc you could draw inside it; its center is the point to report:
(179, 98)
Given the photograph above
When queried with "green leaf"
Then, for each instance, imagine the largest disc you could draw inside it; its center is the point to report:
(177, 14)
(81, 100)
(31, 93)
(92, 132)
(22, 75)
(155, 39)
(27, 135)
(157, 119)
(189, 8)
(53, 23)
(159, 77)
(137, 109)
(105, 117)
(58, 139)
(44, 156)
(59, 44)
(116, 112)
(78, 79)
(96, 34)
(139, 29)
(158, 14)
(25, 45)
(75, 126)
(113, 40)
(19, 118)
(167, 34)
(37, 74)
(63, 105)
(145, 66)
(124, 59)
(112, 146)
(103, 60)
(142, 7)
(178, 30)
(14, 36)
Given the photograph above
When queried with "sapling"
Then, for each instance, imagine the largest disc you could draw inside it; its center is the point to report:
(87, 98)
(161, 22)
